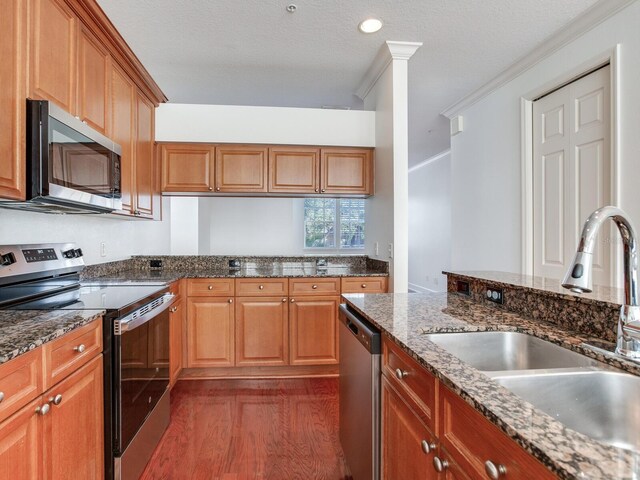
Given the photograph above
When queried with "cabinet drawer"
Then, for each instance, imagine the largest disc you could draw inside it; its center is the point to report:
(410, 378)
(472, 440)
(364, 285)
(71, 351)
(20, 382)
(210, 287)
(262, 286)
(314, 286)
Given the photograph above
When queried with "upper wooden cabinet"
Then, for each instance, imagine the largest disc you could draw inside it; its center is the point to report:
(145, 170)
(187, 167)
(294, 170)
(93, 81)
(346, 170)
(241, 169)
(53, 35)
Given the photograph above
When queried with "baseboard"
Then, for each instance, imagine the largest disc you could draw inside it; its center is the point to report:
(421, 289)
(211, 373)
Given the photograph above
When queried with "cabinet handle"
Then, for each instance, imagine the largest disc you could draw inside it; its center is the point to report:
(323, 190)
(293, 300)
(364, 285)
(217, 189)
(80, 348)
(57, 400)
(261, 287)
(440, 465)
(210, 189)
(427, 447)
(231, 300)
(173, 309)
(1, 396)
(316, 189)
(401, 374)
(43, 409)
(284, 300)
(314, 286)
(210, 287)
(494, 472)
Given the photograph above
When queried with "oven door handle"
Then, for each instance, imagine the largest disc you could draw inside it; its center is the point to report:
(135, 319)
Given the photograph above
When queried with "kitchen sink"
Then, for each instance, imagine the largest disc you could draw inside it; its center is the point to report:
(599, 404)
(500, 351)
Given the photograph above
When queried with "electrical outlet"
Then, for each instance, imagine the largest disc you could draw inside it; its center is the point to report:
(495, 295)
(463, 287)
(103, 249)
(390, 250)
(376, 247)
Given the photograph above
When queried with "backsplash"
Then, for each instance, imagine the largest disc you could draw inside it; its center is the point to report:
(543, 299)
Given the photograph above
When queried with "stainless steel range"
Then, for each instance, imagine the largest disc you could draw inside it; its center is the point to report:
(136, 342)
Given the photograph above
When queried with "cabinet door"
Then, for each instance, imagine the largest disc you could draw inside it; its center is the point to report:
(122, 131)
(93, 81)
(12, 94)
(294, 170)
(187, 167)
(175, 342)
(21, 444)
(402, 436)
(346, 171)
(73, 429)
(262, 331)
(53, 37)
(210, 332)
(241, 169)
(144, 171)
(313, 330)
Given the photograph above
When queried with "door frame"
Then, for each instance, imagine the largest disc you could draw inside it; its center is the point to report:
(609, 57)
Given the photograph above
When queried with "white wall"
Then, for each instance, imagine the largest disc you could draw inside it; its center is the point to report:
(270, 125)
(430, 223)
(185, 236)
(122, 238)
(485, 158)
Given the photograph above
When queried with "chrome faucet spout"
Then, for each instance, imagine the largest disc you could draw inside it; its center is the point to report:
(579, 279)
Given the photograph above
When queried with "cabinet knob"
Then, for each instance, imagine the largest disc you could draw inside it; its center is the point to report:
(323, 190)
(210, 287)
(43, 409)
(1, 396)
(427, 447)
(217, 189)
(284, 300)
(494, 472)
(401, 374)
(173, 309)
(316, 189)
(231, 300)
(364, 285)
(261, 287)
(211, 189)
(80, 348)
(293, 300)
(57, 400)
(440, 465)
(314, 286)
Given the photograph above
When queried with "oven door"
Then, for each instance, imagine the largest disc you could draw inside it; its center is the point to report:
(141, 371)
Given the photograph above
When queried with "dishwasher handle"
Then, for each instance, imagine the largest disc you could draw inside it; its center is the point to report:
(367, 334)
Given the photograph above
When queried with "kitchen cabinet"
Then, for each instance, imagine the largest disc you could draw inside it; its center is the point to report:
(294, 170)
(187, 167)
(241, 169)
(21, 444)
(178, 317)
(346, 171)
(408, 449)
(53, 40)
(210, 332)
(93, 81)
(73, 429)
(262, 334)
(253, 287)
(145, 189)
(364, 284)
(313, 330)
(13, 51)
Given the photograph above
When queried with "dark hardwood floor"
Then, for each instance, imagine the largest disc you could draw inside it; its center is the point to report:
(251, 429)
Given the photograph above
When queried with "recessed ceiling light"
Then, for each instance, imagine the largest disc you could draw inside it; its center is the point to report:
(370, 25)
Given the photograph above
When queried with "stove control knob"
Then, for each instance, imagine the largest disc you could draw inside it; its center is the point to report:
(69, 253)
(7, 259)
(78, 252)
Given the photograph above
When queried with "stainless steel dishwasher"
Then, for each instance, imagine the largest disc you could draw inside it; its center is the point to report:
(360, 395)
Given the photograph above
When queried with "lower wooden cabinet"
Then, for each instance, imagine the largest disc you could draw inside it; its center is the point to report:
(262, 331)
(21, 444)
(403, 453)
(210, 332)
(176, 317)
(313, 330)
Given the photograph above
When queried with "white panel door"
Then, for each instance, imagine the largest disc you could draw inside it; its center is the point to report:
(571, 173)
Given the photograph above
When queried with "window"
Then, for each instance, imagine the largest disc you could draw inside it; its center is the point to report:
(331, 223)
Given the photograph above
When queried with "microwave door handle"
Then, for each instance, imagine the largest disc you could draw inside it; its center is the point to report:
(127, 324)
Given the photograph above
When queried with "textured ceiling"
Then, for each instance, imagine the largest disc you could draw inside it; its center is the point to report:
(253, 52)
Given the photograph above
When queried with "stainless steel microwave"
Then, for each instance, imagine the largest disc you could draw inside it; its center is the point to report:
(71, 168)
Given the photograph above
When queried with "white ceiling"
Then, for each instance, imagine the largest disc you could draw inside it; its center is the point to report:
(253, 52)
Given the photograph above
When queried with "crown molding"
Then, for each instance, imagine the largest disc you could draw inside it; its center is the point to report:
(389, 51)
(579, 26)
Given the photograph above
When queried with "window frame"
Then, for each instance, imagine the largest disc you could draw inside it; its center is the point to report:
(337, 249)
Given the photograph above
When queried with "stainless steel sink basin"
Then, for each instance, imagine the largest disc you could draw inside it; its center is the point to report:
(499, 351)
(600, 404)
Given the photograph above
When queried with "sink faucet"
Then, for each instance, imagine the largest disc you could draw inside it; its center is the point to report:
(578, 277)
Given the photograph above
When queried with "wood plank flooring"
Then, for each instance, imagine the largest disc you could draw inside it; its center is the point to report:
(276, 429)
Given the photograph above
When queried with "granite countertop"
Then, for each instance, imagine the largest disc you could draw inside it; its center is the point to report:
(24, 330)
(405, 318)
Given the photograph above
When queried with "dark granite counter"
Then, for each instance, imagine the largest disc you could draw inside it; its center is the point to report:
(405, 318)
(24, 330)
